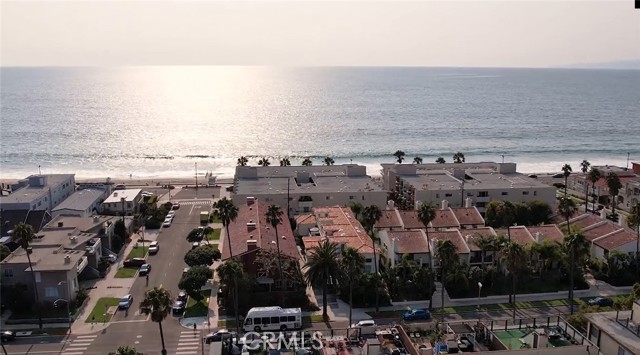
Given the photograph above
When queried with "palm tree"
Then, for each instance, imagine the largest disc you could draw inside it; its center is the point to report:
(458, 158)
(567, 208)
(322, 266)
(352, 264)
(508, 212)
(307, 162)
(546, 251)
(575, 244)
(274, 217)
(264, 161)
(566, 171)
(440, 160)
(328, 161)
(485, 243)
(242, 161)
(23, 235)
(285, 161)
(227, 212)
(633, 221)
(356, 208)
(399, 156)
(417, 160)
(371, 215)
(157, 302)
(512, 256)
(584, 166)
(447, 258)
(614, 185)
(232, 270)
(594, 176)
(426, 214)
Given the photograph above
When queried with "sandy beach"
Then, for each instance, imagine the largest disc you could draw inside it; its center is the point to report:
(133, 182)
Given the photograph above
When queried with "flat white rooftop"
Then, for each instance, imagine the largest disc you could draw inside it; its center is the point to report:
(128, 195)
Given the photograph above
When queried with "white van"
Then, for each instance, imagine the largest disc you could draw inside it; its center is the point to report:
(272, 318)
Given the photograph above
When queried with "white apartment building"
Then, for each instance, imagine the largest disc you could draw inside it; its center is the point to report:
(82, 203)
(130, 199)
(39, 192)
(465, 184)
(307, 187)
(616, 333)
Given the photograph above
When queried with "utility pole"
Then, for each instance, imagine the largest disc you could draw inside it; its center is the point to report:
(196, 177)
(502, 158)
(288, 190)
(40, 172)
(628, 154)
(462, 193)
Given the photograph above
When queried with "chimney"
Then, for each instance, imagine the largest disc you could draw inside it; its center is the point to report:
(67, 259)
(390, 205)
(115, 194)
(250, 201)
(60, 224)
(467, 202)
(252, 244)
(603, 214)
(251, 226)
(96, 219)
(621, 220)
(539, 237)
(445, 204)
(29, 250)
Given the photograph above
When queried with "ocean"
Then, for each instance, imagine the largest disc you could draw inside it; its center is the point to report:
(163, 121)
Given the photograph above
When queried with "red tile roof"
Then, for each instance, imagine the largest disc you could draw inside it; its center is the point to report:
(616, 240)
(600, 231)
(263, 233)
(445, 219)
(519, 234)
(389, 219)
(339, 225)
(583, 221)
(548, 232)
(305, 219)
(409, 242)
(410, 220)
(452, 235)
(470, 235)
(468, 216)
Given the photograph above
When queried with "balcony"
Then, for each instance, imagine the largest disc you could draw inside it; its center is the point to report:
(83, 264)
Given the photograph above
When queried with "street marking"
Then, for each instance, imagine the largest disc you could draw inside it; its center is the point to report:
(86, 336)
(76, 349)
(82, 343)
(183, 348)
(71, 353)
(139, 336)
(186, 352)
(130, 321)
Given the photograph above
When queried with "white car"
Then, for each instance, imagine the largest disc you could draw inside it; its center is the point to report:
(154, 247)
(167, 222)
(364, 323)
(171, 214)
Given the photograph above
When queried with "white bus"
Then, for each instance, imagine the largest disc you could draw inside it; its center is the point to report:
(272, 318)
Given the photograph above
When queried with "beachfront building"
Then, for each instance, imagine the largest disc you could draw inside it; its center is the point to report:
(605, 236)
(9, 220)
(39, 192)
(627, 197)
(464, 184)
(123, 201)
(82, 203)
(616, 333)
(338, 225)
(253, 241)
(307, 187)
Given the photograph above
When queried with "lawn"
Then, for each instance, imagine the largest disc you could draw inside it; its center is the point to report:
(214, 218)
(99, 310)
(126, 272)
(138, 252)
(214, 235)
(198, 309)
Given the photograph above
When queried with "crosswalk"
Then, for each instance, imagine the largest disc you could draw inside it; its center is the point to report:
(197, 202)
(78, 345)
(189, 343)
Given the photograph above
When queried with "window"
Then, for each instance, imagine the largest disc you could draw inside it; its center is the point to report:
(351, 197)
(368, 260)
(504, 193)
(275, 320)
(535, 193)
(128, 204)
(481, 204)
(525, 192)
(265, 320)
(362, 198)
(291, 318)
(437, 195)
(623, 351)
(8, 272)
(258, 320)
(248, 321)
(38, 277)
(327, 197)
(51, 292)
(594, 334)
(39, 203)
(283, 319)
(483, 193)
(448, 195)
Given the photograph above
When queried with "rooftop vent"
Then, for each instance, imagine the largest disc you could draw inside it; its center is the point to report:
(67, 259)
(251, 226)
(60, 224)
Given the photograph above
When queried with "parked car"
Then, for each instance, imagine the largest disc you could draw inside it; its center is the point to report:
(195, 245)
(154, 247)
(175, 206)
(364, 323)
(145, 269)
(125, 302)
(417, 314)
(177, 308)
(601, 302)
(559, 175)
(112, 258)
(171, 214)
(7, 336)
(184, 271)
(120, 187)
(219, 336)
(167, 222)
(182, 296)
(135, 262)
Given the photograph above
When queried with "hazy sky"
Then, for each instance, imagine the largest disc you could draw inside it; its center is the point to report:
(420, 33)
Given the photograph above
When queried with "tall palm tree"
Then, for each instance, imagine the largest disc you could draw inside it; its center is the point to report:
(447, 258)
(512, 257)
(508, 212)
(356, 208)
(575, 244)
(426, 214)
(567, 208)
(242, 161)
(307, 162)
(440, 160)
(417, 160)
(633, 221)
(614, 185)
(227, 212)
(594, 176)
(322, 265)
(230, 272)
(566, 171)
(371, 215)
(285, 161)
(458, 158)
(485, 243)
(584, 166)
(274, 217)
(399, 156)
(328, 161)
(157, 302)
(23, 235)
(352, 265)
(264, 161)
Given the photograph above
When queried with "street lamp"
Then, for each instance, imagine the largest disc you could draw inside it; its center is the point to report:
(68, 301)
(479, 291)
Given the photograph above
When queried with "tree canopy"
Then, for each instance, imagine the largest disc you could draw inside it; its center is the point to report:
(202, 255)
(194, 279)
(126, 350)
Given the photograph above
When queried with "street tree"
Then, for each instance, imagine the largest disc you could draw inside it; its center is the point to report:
(370, 215)
(417, 160)
(126, 350)
(614, 185)
(229, 273)
(4, 251)
(264, 161)
(307, 162)
(193, 280)
(440, 160)
(274, 217)
(23, 235)
(157, 302)
(227, 212)
(202, 255)
(328, 161)
(285, 161)
(633, 221)
(352, 265)
(195, 236)
(321, 266)
(426, 214)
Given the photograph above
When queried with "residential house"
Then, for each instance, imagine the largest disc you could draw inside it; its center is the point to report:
(102, 226)
(472, 238)
(605, 236)
(305, 224)
(39, 192)
(9, 220)
(82, 203)
(123, 201)
(518, 234)
(454, 236)
(409, 243)
(616, 333)
(253, 240)
(628, 195)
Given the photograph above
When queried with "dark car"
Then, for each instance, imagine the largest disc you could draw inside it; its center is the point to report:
(178, 307)
(175, 206)
(417, 314)
(135, 262)
(219, 336)
(7, 336)
(601, 302)
(559, 175)
(145, 269)
(182, 296)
